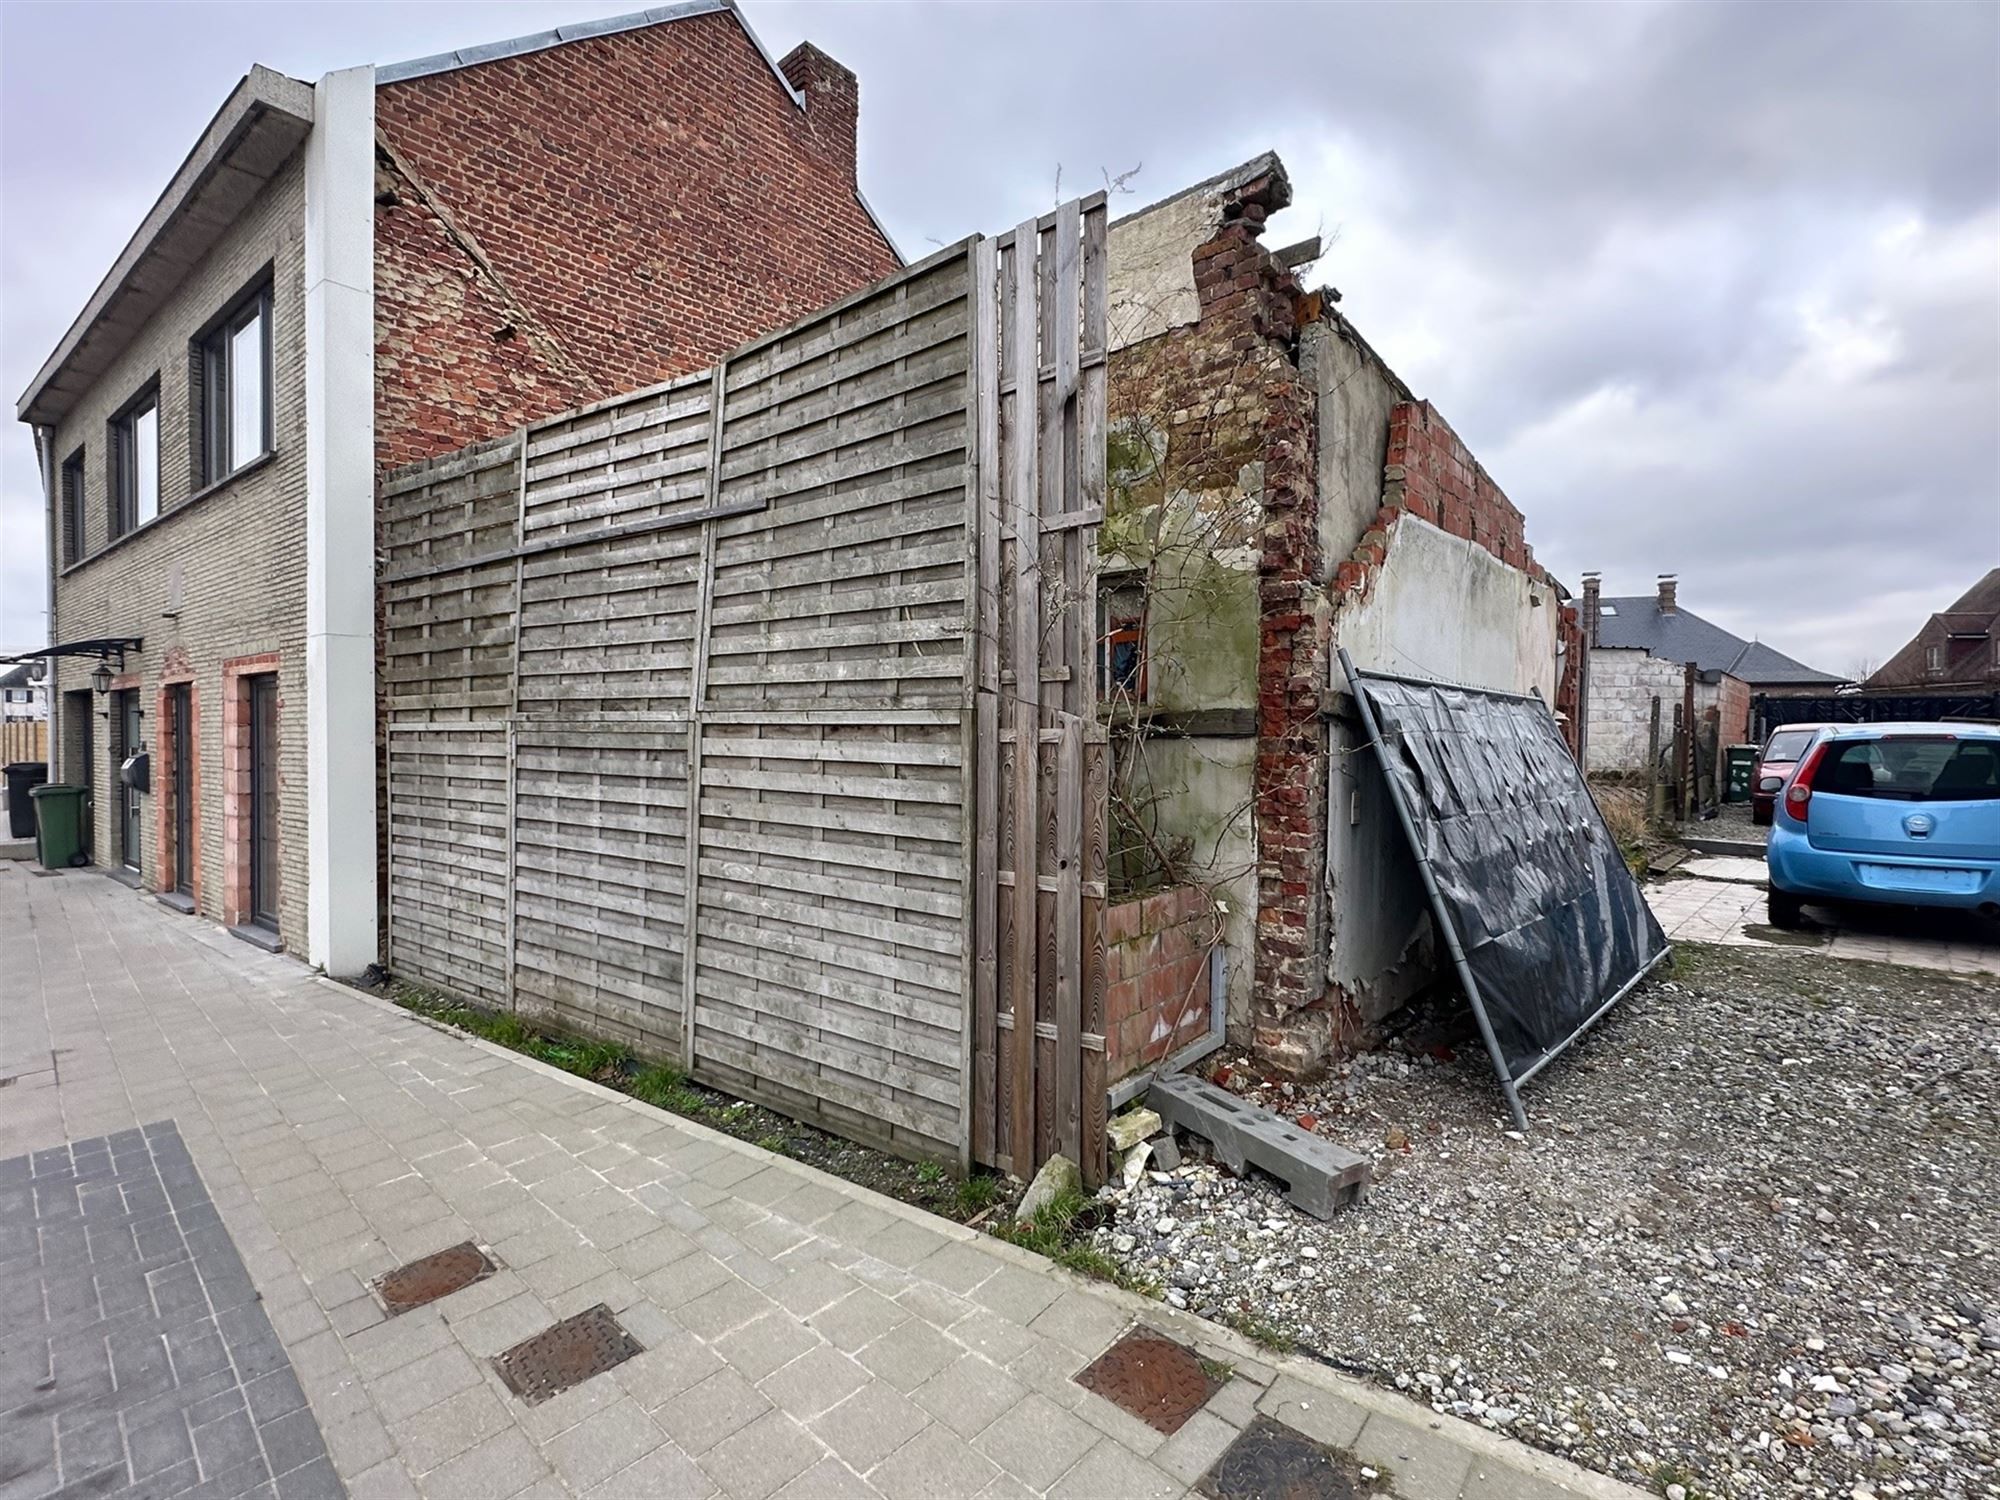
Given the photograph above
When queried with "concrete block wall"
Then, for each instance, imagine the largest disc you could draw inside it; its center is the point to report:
(1156, 955)
(1624, 681)
(220, 575)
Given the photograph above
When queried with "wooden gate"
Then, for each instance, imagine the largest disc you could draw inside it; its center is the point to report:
(704, 726)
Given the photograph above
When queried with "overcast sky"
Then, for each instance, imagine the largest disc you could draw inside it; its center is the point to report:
(1712, 289)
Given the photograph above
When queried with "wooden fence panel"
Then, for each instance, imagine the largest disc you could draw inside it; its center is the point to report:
(448, 585)
(705, 728)
(448, 857)
(25, 739)
(599, 877)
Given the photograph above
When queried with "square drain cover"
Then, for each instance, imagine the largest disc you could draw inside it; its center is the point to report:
(568, 1354)
(1270, 1461)
(1160, 1382)
(436, 1275)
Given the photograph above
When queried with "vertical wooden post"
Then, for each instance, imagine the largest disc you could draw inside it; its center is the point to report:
(1025, 622)
(1656, 787)
(983, 520)
(1689, 755)
(514, 718)
(697, 691)
(1091, 465)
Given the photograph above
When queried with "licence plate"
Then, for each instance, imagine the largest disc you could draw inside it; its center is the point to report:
(1920, 878)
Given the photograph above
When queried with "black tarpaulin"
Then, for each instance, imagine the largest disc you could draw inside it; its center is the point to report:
(1550, 923)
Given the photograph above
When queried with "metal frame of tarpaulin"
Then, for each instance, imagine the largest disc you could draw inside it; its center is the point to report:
(1510, 1081)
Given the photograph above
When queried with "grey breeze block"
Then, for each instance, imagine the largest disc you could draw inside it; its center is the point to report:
(1318, 1175)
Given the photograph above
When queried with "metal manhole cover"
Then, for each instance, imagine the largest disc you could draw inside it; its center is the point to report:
(1270, 1461)
(1157, 1380)
(568, 1354)
(436, 1275)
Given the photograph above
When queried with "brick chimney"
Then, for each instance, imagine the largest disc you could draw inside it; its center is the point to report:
(1592, 584)
(1667, 593)
(833, 100)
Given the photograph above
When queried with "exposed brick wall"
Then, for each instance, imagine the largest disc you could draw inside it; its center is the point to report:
(600, 216)
(239, 550)
(1431, 472)
(1249, 300)
(1156, 953)
(1569, 685)
(1732, 701)
(1238, 422)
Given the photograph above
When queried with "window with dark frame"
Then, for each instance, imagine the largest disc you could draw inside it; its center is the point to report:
(1121, 637)
(135, 463)
(233, 388)
(72, 507)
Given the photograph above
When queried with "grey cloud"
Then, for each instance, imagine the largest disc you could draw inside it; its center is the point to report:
(1608, 215)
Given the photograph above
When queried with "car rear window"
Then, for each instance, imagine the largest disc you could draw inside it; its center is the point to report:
(1913, 769)
(1788, 744)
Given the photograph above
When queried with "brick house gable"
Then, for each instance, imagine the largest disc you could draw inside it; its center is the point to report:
(590, 218)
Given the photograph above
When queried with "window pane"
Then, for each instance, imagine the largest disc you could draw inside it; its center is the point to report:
(146, 463)
(246, 392)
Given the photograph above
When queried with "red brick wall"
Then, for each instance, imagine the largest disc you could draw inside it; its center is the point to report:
(1249, 301)
(1156, 953)
(600, 216)
(1732, 700)
(1434, 475)
(1230, 396)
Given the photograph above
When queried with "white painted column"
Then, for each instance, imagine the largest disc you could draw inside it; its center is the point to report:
(340, 523)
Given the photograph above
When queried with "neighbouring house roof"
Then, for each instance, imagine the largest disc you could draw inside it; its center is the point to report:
(659, 15)
(1974, 616)
(1681, 635)
(539, 41)
(16, 677)
(252, 135)
(255, 133)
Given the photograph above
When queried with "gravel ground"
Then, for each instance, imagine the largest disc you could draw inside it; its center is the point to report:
(1752, 1246)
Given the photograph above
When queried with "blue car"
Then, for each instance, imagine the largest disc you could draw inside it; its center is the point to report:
(1892, 814)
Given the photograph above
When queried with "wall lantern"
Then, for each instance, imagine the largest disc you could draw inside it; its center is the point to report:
(100, 680)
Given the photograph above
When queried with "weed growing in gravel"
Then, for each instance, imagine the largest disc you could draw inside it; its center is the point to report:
(930, 1173)
(1263, 1335)
(1672, 1474)
(975, 1194)
(1061, 1232)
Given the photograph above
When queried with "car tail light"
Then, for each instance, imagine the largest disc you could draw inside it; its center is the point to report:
(1799, 794)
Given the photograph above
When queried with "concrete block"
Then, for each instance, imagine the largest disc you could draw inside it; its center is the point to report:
(1318, 1175)
(1132, 1127)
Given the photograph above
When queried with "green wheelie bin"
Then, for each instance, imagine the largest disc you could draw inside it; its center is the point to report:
(59, 825)
(1742, 763)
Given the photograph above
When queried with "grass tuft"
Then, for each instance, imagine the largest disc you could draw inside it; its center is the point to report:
(1264, 1335)
(975, 1194)
(1061, 1232)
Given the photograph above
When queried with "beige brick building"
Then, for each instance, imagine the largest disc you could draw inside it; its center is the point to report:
(340, 278)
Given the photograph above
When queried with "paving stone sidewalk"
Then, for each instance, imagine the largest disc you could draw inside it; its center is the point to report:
(802, 1337)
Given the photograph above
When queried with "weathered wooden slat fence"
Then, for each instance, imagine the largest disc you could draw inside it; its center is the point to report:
(24, 739)
(751, 719)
